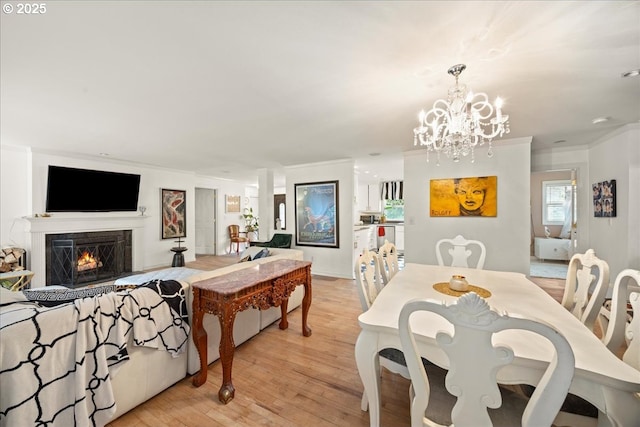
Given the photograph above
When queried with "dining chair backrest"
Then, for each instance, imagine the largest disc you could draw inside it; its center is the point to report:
(387, 261)
(234, 230)
(474, 363)
(369, 283)
(460, 251)
(235, 237)
(367, 278)
(579, 297)
(618, 325)
(632, 333)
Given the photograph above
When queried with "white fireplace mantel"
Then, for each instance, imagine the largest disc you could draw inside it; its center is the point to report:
(39, 227)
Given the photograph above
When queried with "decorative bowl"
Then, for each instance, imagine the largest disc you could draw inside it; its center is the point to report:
(458, 283)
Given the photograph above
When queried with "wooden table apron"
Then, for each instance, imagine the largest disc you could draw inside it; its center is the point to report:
(600, 377)
(263, 286)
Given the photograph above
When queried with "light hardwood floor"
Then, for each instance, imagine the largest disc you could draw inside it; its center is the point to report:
(283, 378)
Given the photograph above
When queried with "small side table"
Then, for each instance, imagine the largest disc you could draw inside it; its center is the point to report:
(178, 258)
(22, 278)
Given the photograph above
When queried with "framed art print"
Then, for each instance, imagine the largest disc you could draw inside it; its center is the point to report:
(174, 213)
(604, 199)
(317, 214)
(232, 204)
(470, 196)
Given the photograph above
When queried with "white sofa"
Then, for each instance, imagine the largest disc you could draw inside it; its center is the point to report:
(149, 372)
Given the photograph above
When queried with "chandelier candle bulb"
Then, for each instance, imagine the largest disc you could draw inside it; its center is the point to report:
(498, 109)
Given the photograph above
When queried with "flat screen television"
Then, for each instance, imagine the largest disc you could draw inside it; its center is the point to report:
(85, 190)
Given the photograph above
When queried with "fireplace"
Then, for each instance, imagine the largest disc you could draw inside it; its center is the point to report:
(78, 259)
(40, 227)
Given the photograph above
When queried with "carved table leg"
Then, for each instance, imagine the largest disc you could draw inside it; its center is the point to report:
(284, 323)
(227, 349)
(200, 341)
(306, 303)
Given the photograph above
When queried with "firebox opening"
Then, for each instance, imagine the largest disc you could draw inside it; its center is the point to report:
(79, 259)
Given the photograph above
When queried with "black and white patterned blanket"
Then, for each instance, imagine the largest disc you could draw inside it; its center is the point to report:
(56, 362)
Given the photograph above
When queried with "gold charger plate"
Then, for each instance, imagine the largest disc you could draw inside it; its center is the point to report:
(443, 288)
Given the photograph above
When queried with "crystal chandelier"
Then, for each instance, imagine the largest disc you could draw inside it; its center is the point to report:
(456, 126)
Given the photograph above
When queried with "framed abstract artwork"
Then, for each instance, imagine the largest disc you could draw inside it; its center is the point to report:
(174, 213)
(317, 214)
(604, 199)
(470, 196)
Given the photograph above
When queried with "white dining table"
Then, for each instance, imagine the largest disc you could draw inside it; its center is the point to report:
(600, 377)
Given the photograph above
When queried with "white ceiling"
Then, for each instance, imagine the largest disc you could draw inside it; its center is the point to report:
(223, 88)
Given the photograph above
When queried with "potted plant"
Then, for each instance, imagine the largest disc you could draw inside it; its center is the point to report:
(250, 224)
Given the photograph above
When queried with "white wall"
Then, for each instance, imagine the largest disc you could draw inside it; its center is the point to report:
(224, 219)
(506, 236)
(617, 240)
(28, 169)
(23, 178)
(327, 261)
(15, 188)
(615, 156)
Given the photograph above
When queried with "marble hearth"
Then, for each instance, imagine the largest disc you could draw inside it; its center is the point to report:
(40, 227)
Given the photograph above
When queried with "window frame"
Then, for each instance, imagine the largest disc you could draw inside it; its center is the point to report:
(384, 209)
(545, 204)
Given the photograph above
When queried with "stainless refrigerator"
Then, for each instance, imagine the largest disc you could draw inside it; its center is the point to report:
(386, 232)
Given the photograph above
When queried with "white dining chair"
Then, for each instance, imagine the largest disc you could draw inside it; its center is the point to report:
(618, 325)
(368, 284)
(460, 251)
(473, 365)
(581, 297)
(632, 333)
(388, 261)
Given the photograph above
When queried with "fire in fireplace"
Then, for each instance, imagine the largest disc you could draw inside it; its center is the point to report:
(87, 261)
(78, 259)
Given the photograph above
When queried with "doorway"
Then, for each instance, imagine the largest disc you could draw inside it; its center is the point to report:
(205, 220)
(554, 219)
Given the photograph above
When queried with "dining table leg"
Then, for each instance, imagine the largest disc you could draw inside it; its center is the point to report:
(368, 364)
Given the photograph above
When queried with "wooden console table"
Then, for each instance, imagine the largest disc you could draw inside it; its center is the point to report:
(263, 286)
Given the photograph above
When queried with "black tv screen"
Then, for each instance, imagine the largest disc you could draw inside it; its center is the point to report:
(85, 190)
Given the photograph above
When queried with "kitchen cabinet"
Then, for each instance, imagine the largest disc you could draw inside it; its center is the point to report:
(400, 238)
(369, 198)
(372, 241)
(361, 239)
(364, 238)
(374, 197)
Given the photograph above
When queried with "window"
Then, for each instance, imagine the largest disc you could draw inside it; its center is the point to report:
(394, 209)
(556, 202)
